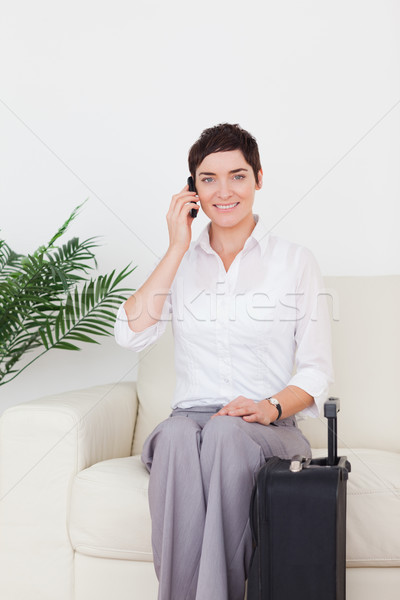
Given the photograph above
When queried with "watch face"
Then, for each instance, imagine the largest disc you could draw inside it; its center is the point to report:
(274, 401)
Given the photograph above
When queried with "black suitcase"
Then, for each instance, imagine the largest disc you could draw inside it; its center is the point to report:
(298, 521)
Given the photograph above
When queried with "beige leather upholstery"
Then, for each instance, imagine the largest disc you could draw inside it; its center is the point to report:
(74, 519)
(44, 444)
(373, 508)
(120, 526)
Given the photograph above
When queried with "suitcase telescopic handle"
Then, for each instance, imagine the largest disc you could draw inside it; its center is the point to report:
(331, 409)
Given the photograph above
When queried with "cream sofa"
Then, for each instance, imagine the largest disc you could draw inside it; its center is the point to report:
(74, 519)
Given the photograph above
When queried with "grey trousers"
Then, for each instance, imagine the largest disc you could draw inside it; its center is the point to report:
(202, 472)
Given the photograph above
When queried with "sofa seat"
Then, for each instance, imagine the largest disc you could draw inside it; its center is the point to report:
(110, 518)
(373, 507)
(109, 514)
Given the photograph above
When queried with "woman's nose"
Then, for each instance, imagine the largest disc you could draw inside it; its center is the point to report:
(224, 191)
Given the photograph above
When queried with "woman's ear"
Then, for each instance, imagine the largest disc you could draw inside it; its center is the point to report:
(260, 180)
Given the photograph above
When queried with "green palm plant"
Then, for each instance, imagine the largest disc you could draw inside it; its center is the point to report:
(48, 301)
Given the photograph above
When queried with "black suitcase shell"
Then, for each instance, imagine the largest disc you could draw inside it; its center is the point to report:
(298, 520)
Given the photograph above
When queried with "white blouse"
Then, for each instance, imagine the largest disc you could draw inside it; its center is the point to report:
(250, 331)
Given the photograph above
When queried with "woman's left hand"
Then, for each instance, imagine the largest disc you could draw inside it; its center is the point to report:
(253, 412)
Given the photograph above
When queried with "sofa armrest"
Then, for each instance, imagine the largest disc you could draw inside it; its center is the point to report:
(43, 444)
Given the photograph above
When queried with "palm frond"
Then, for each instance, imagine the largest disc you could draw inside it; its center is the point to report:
(74, 255)
(9, 260)
(83, 315)
(42, 279)
(42, 305)
(60, 231)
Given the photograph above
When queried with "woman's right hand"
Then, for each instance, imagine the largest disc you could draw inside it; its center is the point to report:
(179, 219)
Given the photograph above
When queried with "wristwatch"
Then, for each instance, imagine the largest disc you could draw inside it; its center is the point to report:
(278, 407)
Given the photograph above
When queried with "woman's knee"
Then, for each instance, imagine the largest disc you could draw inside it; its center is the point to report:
(175, 433)
(225, 443)
(177, 430)
(223, 425)
(226, 432)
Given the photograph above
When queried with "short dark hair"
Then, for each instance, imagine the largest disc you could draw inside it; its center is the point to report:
(222, 138)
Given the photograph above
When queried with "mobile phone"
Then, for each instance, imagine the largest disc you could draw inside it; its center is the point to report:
(192, 188)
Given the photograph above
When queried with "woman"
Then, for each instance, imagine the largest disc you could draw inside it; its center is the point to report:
(244, 313)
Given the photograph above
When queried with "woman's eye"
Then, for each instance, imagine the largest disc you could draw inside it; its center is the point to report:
(210, 179)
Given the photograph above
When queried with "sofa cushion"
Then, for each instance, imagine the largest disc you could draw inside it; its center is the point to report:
(373, 507)
(109, 515)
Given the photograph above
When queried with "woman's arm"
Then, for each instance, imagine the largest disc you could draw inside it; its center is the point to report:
(144, 308)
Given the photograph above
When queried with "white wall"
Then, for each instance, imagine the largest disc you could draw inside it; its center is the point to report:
(103, 100)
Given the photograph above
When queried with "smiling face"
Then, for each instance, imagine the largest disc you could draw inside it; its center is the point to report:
(226, 186)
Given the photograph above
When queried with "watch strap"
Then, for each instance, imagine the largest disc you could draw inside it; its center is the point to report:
(278, 407)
